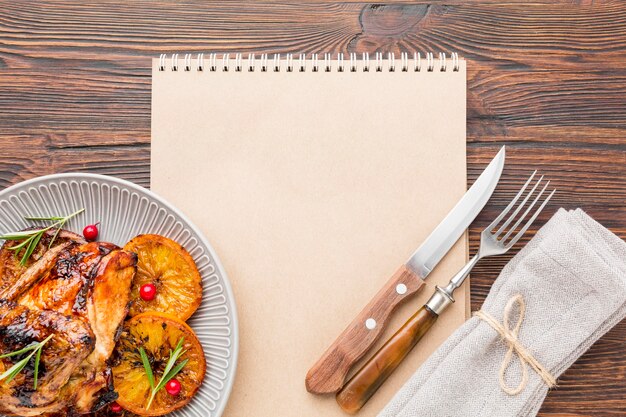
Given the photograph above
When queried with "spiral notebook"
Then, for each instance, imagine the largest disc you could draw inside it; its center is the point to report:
(313, 178)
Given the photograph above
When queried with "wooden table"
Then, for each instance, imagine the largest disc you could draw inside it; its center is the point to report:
(548, 79)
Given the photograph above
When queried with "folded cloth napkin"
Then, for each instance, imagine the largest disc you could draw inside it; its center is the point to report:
(570, 280)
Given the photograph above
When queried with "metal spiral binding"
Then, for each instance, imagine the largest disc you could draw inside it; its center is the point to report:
(408, 63)
(276, 62)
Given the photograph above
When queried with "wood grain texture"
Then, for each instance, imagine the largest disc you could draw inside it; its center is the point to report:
(546, 78)
(329, 373)
(369, 377)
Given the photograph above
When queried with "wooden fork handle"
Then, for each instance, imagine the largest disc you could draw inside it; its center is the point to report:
(377, 369)
(329, 373)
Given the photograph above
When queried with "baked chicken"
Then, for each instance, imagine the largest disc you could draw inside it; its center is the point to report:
(79, 292)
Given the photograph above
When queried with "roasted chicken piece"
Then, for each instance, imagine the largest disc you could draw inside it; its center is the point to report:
(89, 282)
(107, 305)
(109, 300)
(65, 286)
(16, 278)
(72, 342)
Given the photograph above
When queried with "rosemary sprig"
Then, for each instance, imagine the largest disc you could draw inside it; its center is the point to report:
(35, 350)
(171, 369)
(30, 238)
(146, 366)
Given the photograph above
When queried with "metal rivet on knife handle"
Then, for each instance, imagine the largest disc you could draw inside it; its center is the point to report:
(329, 373)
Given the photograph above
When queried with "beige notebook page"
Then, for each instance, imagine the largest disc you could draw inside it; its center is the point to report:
(313, 188)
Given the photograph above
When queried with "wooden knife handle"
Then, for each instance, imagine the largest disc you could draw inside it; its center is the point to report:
(377, 369)
(329, 373)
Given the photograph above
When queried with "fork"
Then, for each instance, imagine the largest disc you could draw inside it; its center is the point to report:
(495, 239)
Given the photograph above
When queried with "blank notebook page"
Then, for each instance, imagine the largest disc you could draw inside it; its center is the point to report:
(313, 188)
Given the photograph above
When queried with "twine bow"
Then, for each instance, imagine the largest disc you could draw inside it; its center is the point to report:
(510, 335)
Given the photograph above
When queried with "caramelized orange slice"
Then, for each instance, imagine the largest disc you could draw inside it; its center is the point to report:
(169, 267)
(159, 335)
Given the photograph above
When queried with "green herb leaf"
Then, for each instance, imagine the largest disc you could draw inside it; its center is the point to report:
(167, 378)
(19, 246)
(54, 237)
(170, 371)
(17, 235)
(31, 238)
(12, 372)
(16, 369)
(146, 366)
(54, 218)
(19, 352)
(30, 249)
(36, 373)
(178, 352)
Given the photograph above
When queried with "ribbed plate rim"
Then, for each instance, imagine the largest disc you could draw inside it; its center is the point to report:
(78, 176)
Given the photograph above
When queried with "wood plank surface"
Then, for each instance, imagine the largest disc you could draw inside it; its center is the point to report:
(546, 78)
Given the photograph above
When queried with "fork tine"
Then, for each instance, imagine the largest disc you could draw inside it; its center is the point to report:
(523, 216)
(532, 219)
(517, 210)
(511, 204)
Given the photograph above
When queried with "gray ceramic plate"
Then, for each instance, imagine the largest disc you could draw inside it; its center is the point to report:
(124, 211)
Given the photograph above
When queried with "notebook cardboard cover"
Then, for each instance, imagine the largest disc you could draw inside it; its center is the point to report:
(313, 187)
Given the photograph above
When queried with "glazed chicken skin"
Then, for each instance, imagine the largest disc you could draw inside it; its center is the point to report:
(63, 288)
(87, 285)
(16, 278)
(20, 327)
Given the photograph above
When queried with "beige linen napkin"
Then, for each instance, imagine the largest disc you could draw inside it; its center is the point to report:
(572, 277)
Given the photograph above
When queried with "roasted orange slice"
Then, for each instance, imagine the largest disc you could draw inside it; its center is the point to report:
(159, 335)
(165, 266)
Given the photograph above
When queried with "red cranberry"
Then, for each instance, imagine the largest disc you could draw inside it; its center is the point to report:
(91, 232)
(173, 387)
(148, 292)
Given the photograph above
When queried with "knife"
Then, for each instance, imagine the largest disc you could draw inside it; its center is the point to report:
(329, 372)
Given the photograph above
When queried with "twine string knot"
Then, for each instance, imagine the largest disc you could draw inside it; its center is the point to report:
(515, 347)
